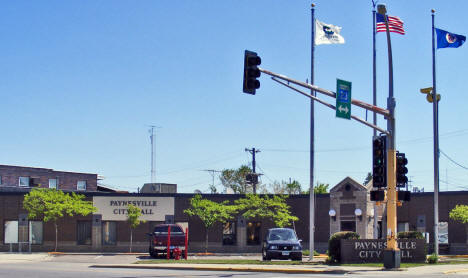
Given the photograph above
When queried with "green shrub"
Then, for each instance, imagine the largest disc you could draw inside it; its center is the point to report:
(334, 247)
(307, 252)
(410, 235)
(432, 259)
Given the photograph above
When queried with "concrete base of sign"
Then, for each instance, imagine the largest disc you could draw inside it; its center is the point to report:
(392, 259)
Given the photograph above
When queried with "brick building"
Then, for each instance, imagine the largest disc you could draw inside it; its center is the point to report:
(108, 231)
(12, 177)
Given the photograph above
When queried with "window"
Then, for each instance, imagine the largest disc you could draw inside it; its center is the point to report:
(402, 227)
(83, 232)
(11, 232)
(162, 229)
(81, 185)
(35, 232)
(109, 233)
(253, 233)
(53, 183)
(229, 233)
(0, 180)
(23, 181)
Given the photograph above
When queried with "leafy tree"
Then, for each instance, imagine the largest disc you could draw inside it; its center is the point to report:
(460, 213)
(235, 180)
(319, 188)
(133, 217)
(213, 189)
(264, 206)
(284, 187)
(210, 212)
(368, 178)
(52, 204)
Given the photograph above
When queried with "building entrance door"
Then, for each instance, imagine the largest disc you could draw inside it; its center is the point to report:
(348, 226)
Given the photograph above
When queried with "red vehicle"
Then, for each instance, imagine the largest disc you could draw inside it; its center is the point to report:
(158, 240)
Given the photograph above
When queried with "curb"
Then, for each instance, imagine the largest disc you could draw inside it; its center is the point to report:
(227, 268)
(97, 254)
(456, 271)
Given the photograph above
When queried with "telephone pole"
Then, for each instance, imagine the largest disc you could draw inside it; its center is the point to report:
(253, 151)
(212, 172)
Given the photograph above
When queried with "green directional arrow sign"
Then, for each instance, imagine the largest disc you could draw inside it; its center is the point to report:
(343, 99)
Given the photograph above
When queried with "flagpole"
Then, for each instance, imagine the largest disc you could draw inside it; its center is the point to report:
(311, 187)
(435, 104)
(374, 102)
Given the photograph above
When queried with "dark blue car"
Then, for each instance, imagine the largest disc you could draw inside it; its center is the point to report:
(281, 243)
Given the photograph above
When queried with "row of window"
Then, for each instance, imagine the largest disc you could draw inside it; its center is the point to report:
(53, 183)
(109, 232)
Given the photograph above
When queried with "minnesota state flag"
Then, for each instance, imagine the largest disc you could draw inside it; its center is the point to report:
(447, 39)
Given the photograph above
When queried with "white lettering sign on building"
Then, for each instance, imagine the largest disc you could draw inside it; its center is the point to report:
(113, 208)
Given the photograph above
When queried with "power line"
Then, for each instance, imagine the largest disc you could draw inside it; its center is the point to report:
(453, 161)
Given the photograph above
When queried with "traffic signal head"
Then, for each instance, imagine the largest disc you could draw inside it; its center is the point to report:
(379, 161)
(377, 195)
(251, 72)
(404, 196)
(401, 170)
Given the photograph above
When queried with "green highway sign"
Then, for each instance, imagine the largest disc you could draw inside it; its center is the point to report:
(343, 99)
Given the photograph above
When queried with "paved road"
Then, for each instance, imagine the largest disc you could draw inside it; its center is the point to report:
(78, 266)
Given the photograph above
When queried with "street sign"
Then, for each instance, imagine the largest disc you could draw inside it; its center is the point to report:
(343, 99)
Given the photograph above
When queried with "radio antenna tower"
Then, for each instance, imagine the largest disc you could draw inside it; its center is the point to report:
(153, 153)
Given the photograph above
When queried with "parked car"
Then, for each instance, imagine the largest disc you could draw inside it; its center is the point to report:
(281, 243)
(158, 239)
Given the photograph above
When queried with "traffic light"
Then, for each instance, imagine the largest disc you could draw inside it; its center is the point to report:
(379, 161)
(377, 195)
(401, 170)
(428, 92)
(404, 196)
(251, 72)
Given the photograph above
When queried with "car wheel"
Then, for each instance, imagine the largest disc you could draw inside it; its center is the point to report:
(153, 254)
(265, 256)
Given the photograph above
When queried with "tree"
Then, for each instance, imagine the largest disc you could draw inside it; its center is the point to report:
(368, 178)
(460, 213)
(52, 204)
(284, 187)
(210, 212)
(133, 217)
(235, 180)
(320, 188)
(264, 206)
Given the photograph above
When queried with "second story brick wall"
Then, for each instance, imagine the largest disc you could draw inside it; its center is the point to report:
(39, 177)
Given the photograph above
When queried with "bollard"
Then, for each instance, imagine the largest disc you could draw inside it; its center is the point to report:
(168, 251)
(186, 243)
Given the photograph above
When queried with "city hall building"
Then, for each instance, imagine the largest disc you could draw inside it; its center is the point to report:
(346, 208)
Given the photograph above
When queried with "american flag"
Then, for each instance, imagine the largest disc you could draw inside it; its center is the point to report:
(395, 24)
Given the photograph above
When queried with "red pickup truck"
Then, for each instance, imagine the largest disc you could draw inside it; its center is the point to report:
(158, 239)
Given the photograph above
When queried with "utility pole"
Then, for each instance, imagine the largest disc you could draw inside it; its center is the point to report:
(212, 172)
(253, 151)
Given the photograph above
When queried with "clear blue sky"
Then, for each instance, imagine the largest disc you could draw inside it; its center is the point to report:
(81, 81)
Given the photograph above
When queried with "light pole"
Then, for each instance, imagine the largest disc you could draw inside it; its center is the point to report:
(392, 256)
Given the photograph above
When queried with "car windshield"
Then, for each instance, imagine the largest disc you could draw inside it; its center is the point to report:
(282, 235)
(163, 230)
